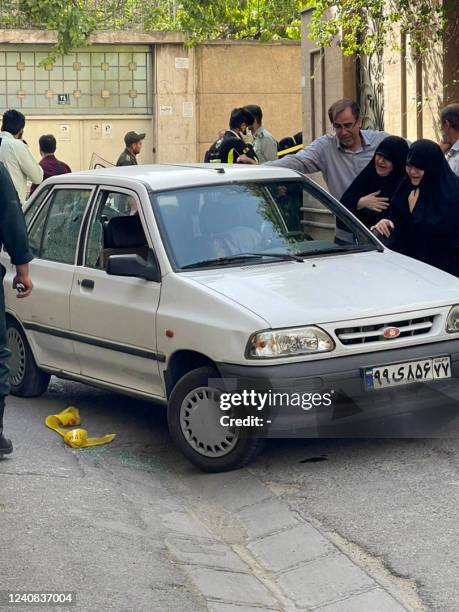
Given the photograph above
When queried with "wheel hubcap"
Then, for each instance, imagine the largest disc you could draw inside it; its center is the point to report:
(17, 361)
(200, 415)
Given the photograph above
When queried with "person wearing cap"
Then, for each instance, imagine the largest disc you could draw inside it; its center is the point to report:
(133, 142)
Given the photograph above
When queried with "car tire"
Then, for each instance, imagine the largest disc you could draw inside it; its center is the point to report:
(26, 378)
(193, 417)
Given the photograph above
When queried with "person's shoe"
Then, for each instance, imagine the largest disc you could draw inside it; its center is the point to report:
(6, 446)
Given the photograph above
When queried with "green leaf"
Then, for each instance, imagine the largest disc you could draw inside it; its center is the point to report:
(358, 26)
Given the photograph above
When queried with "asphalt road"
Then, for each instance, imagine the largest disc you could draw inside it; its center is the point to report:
(95, 521)
(396, 499)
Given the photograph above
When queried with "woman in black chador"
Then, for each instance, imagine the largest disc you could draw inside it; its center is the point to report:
(369, 194)
(424, 212)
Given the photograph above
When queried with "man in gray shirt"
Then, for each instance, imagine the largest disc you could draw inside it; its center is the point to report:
(340, 156)
(264, 143)
(450, 129)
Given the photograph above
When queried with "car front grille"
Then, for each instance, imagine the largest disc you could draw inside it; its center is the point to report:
(367, 334)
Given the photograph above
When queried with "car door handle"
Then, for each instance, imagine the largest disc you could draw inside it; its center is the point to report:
(87, 283)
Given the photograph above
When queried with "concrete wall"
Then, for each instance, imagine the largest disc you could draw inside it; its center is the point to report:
(195, 90)
(175, 104)
(451, 52)
(412, 98)
(326, 77)
(413, 114)
(231, 74)
(78, 137)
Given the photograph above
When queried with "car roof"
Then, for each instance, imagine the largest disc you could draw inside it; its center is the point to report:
(159, 177)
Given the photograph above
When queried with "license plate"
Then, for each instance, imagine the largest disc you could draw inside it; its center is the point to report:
(408, 372)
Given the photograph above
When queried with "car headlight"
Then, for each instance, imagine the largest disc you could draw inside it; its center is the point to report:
(289, 342)
(452, 322)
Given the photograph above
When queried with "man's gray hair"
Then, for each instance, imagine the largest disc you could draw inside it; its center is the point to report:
(451, 113)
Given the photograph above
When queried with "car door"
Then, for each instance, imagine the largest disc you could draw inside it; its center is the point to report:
(54, 231)
(113, 317)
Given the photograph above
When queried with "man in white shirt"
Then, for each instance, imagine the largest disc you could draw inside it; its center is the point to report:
(15, 154)
(264, 143)
(450, 129)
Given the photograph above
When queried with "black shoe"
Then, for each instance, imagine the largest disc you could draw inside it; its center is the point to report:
(6, 446)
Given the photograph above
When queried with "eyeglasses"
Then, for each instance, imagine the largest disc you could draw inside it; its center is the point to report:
(344, 126)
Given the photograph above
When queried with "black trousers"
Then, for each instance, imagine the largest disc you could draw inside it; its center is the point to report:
(4, 353)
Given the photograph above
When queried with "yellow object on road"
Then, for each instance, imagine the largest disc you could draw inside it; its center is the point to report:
(76, 438)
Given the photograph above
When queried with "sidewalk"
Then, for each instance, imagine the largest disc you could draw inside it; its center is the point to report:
(252, 552)
(132, 526)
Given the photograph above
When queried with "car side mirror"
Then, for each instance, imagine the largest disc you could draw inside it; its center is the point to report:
(134, 265)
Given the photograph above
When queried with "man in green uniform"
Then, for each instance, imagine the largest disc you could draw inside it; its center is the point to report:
(133, 142)
(264, 143)
(13, 236)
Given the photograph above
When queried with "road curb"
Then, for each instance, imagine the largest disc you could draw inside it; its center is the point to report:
(259, 554)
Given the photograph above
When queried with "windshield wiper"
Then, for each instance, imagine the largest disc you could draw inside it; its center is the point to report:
(241, 257)
(286, 256)
(340, 249)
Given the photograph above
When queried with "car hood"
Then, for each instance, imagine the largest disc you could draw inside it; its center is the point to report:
(335, 288)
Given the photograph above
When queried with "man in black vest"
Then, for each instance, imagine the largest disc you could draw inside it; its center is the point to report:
(231, 145)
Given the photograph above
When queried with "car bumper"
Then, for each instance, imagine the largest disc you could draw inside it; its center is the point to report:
(422, 409)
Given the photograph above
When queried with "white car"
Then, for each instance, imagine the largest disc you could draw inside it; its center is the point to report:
(160, 281)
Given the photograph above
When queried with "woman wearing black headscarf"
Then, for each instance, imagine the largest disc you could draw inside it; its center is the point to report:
(369, 194)
(424, 212)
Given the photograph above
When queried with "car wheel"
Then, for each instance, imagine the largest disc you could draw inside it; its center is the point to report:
(194, 415)
(26, 379)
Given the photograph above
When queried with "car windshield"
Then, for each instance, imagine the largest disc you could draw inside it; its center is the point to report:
(254, 222)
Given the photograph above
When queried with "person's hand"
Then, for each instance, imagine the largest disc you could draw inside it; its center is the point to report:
(247, 136)
(244, 159)
(26, 281)
(384, 227)
(373, 202)
(413, 198)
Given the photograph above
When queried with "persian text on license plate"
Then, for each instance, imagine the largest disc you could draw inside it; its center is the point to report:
(383, 377)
